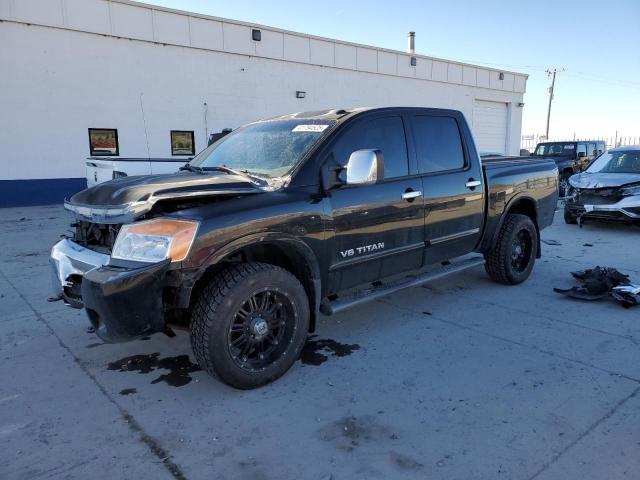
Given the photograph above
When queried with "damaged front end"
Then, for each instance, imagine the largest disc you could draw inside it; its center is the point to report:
(122, 303)
(121, 261)
(607, 203)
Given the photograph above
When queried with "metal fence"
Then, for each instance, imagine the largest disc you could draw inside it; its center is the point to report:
(529, 142)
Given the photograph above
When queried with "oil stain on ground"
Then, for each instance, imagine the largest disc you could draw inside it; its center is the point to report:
(314, 351)
(349, 433)
(179, 367)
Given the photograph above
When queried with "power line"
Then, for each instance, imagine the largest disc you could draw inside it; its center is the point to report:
(605, 80)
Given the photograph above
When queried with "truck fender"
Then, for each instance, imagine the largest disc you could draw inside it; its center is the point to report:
(276, 238)
(517, 199)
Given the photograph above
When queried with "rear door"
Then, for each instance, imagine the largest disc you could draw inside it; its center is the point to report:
(378, 229)
(452, 186)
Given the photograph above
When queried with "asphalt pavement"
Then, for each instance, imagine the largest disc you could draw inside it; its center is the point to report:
(461, 379)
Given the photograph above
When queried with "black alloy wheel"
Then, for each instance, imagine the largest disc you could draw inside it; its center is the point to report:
(521, 251)
(511, 259)
(261, 330)
(249, 324)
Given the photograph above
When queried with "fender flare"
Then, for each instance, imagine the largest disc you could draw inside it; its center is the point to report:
(516, 199)
(276, 238)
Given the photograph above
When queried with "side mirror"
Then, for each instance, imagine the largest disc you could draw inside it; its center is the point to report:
(582, 154)
(524, 152)
(365, 167)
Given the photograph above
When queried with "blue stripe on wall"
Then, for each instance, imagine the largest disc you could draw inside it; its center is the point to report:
(18, 193)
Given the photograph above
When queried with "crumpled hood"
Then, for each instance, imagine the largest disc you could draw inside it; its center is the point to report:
(603, 180)
(126, 198)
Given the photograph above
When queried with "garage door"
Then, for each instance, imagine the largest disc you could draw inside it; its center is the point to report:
(490, 126)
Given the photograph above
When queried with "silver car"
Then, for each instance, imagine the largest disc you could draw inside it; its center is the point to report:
(609, 189)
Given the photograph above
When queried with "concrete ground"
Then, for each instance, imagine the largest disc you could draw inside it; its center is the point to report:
(464, 379)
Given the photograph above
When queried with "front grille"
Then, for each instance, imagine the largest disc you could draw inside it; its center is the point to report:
(599, 196)
(95, 236)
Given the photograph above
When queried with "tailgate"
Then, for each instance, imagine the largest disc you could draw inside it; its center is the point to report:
(98, 171)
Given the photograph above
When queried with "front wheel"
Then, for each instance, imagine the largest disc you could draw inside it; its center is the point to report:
(511, 259)
(250, 324)
(563, 185)
(569, 218)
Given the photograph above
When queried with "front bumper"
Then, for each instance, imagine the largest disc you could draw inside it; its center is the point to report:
(122, 303)
(626, 209)
(70, 262)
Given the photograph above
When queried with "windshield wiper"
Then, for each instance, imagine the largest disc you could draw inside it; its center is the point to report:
(231, 171)
(192, 168)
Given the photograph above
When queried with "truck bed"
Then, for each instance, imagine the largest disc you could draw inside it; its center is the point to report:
(510, 178)
(510, 160)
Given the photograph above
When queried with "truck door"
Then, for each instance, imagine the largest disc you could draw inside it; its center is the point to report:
(452, 185)
(378, 229)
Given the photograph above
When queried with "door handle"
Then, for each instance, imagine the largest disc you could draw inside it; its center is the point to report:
(411, 194)
(473, 183)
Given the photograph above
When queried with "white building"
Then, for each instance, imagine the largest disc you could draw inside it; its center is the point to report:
(67, 66)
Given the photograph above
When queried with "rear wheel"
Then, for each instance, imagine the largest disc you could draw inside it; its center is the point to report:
(511, 259)
(250, 324)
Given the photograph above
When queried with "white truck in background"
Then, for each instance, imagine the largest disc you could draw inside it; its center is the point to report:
(102, 169)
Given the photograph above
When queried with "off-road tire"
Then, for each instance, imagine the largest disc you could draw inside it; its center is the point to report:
(569, 218)
(498, 261)
(216, 308)
(563, 184)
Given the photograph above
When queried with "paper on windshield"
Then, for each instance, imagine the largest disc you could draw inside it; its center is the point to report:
(310, 128)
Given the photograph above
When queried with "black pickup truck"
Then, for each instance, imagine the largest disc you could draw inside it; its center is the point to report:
(571, 157)
(290, 217)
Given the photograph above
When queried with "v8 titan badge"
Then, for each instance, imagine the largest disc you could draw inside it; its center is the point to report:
(362, 250)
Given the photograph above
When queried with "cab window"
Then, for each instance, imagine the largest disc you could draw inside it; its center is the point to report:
(438, 144)
(386, 134)
(582, 148)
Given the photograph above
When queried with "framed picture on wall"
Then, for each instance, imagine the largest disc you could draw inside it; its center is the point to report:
(182, 142)
(103, 142)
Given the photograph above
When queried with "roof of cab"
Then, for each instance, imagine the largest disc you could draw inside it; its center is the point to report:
(549, 142)
(341, 113)
(626, 148)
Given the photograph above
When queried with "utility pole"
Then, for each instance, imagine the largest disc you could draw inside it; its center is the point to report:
(552, 74)
(553, 84)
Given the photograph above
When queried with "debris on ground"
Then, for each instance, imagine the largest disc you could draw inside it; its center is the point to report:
(601, 282)
(550, 242)
(627, 295)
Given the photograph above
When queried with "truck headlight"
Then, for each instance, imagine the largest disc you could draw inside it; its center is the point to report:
(627, 192)
(155, 240)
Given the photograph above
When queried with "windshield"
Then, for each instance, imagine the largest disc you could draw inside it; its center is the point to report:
(268, 149)
(617, 162)
(555, 149)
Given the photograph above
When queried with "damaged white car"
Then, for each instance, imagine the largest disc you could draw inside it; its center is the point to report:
(609, 189)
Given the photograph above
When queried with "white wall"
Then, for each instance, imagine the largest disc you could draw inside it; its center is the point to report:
(58, 81)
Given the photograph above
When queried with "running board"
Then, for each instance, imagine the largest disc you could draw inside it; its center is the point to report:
(331, 307)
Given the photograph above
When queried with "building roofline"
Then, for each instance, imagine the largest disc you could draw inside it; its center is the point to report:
(307, 35)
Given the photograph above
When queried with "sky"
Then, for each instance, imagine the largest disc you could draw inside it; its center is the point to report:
(596, 43)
